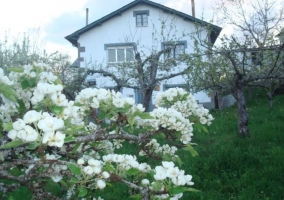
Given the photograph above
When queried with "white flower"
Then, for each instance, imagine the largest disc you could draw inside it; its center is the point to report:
(88, 170)
(101, 184)
(12, 134)
(160, 173)
(105, 175)
(172, 172)
(49, 124)
(28, 134)
(19, 124)
(145, 182)
(94, 163)
(80, 161)
(52, 139)
(168, 165)
(56, 178)
(50, 157)
(97, 170)
(31, 116)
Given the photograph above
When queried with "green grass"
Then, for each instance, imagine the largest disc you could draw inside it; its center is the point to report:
(229, 167)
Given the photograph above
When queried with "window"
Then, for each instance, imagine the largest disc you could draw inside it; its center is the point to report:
(141, 17)
(120, 52)
(176, 48)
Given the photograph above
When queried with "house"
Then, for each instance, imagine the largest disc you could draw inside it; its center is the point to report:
(143, 26)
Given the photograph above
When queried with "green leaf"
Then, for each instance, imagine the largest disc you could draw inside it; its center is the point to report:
(8, 92)
(76, 147)
(157, 186)
(130, 121)
(205, 129)
(69, 139)
(74, 169)
(25, 84)
(74, 180)
(136, 197)
(8, 126)
(102, 114)
(109, 167)
(198, 127)
(33, 145)
(21, 192)
(53, 187)
(19, 70)
(21, 108)
(131, 172)
(191, 150)
(176, 190)
(144, 115)
(12, 144)
(178, 161)
(56, 109)
(191, 190)
(15, 171)
(32, 82)
(167, 157)
(77, 128)
(57, 82)
(82, 191)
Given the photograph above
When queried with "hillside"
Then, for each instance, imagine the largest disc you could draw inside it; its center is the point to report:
(229, 167)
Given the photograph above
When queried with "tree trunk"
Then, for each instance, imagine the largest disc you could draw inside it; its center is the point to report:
(243, 130)
(270, 99)
(147, 95)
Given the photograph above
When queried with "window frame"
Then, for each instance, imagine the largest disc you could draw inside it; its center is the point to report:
(120, 46)
(174, 55)
(144, 14)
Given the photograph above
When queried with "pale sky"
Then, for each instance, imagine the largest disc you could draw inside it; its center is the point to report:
(59, 18)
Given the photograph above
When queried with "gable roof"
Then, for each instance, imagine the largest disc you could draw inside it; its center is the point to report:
(215, 30)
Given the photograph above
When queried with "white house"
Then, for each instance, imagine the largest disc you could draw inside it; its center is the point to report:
(141, 26)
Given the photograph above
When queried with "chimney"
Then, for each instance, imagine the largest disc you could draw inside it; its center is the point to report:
(87, 16)
(193, 8)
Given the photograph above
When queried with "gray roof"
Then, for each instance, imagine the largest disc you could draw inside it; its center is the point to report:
(215, 30)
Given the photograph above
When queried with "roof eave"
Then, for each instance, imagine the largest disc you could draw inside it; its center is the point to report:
(73, 38)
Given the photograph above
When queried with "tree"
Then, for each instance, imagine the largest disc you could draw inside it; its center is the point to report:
(151, 65)
(27, 48)
(60, 149)
(249, 57)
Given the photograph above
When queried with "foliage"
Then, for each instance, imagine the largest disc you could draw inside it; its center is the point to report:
(71, 149)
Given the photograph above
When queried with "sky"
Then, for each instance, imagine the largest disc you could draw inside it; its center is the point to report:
(55, 19)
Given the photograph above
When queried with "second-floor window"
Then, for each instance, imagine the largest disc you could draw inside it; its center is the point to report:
(141, 17)
(177, 48)
(120, 52)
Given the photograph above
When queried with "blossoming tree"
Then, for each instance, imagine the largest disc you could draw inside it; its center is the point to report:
(48, 142)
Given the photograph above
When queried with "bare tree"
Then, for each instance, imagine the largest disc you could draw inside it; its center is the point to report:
(249, 57)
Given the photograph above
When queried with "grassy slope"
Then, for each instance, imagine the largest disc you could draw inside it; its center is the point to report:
(229, 167)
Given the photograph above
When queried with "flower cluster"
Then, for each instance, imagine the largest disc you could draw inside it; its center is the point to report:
(174, 120)
(46, 126)
(125, 162)
(184, 103)
(94, 169)
(168, 171)
(154, 147)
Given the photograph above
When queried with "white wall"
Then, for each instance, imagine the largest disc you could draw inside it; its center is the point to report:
(122, 29)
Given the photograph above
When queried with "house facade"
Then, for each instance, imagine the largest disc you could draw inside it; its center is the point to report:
(112, 42)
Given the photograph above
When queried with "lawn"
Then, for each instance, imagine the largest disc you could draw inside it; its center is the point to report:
(229, 167)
